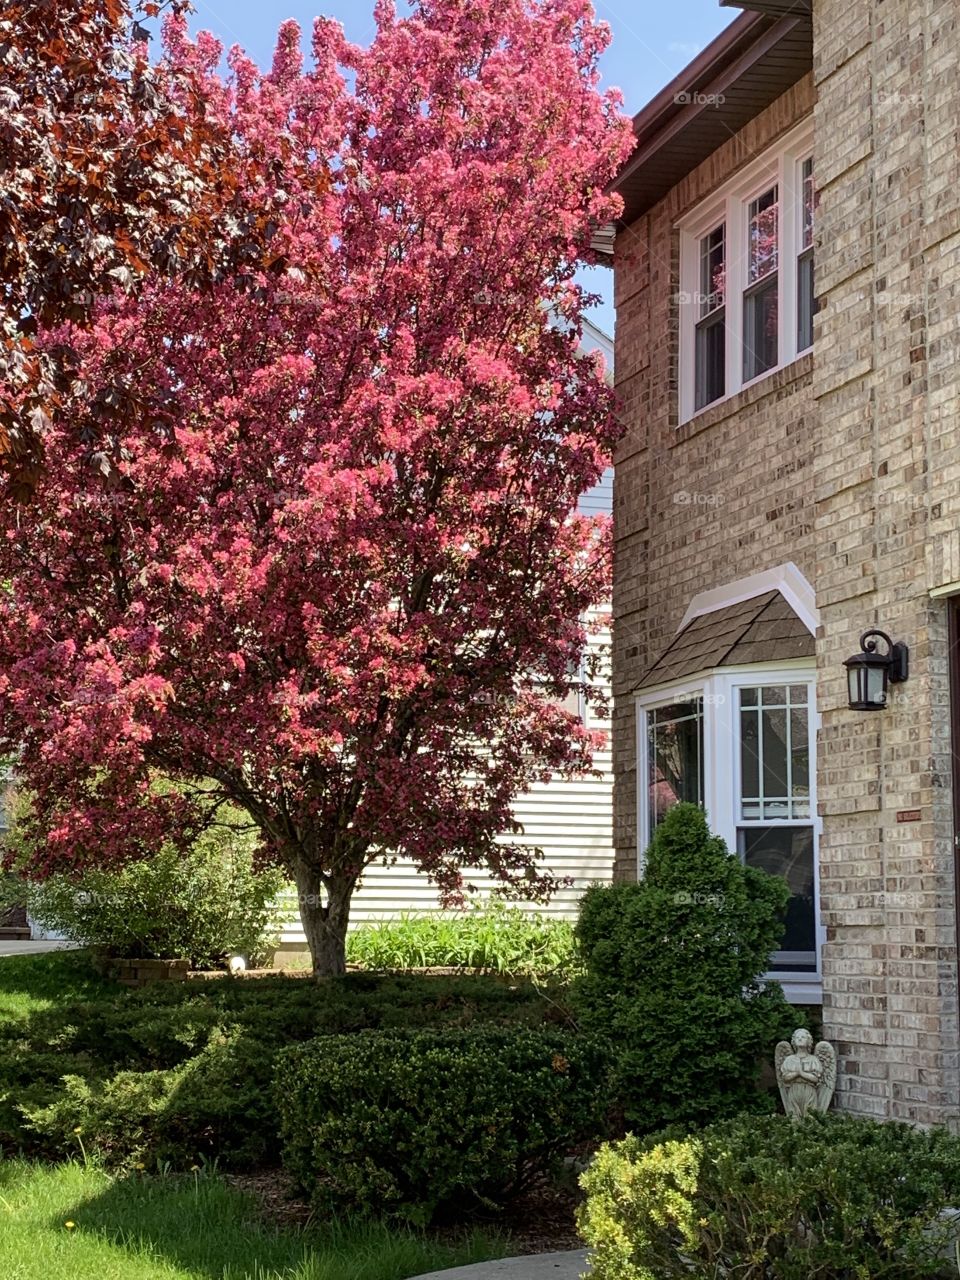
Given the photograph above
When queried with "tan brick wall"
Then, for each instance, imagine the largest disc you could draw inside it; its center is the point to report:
(848, 464)
(887, 508)
(746, 464)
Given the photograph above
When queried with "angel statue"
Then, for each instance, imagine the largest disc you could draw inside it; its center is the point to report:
(807, 1076)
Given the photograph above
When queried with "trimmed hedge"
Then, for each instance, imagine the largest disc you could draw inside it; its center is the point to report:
(408, 1125)
(765, 1198)
(175, 1073)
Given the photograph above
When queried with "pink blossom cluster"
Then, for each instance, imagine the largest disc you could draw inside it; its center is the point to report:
(329, 554)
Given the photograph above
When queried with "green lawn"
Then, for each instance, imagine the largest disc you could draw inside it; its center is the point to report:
(187, 1227)
(193, 1228)
(29, 984)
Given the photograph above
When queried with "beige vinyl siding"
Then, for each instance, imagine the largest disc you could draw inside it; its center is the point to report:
(569, 819)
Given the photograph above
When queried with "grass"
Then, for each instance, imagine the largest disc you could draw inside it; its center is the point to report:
(189, 1228)
(32, 983)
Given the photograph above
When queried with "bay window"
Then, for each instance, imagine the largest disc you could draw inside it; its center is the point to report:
(746, 276)
(740, 743)
(675, 756)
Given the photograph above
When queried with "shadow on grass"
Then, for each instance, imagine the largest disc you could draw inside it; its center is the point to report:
(54, 975)
(210, 1231)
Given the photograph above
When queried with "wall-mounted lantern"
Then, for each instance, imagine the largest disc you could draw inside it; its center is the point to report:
(869, 672)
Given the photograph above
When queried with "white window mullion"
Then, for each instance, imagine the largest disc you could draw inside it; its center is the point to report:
(721, 760)
(643, 814)
(736, 275)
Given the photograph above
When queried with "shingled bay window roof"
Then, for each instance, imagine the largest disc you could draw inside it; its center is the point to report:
(763, 628)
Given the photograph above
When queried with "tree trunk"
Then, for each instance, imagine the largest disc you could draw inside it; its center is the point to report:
(325, 913)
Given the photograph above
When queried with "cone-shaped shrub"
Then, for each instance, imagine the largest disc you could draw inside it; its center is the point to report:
(672, 969)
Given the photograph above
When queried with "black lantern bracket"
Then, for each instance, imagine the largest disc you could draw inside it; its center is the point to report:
(870, 671)
(897, 655)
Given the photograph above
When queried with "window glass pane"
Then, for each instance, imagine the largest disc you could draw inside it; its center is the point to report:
(774, 753)
(806, 224)
(711, 359)
(712, 271)
(799, 754)
(805, 301)
(788, 852)
(675, 752)
(774, 761)
(760, 330)
(763, 230)
(750, 761)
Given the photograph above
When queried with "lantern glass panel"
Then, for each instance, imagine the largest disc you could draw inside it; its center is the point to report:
(855, 690)
(876, 685)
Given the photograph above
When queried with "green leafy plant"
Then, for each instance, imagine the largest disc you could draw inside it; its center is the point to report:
(492, 938)
(765, 1198)
(183, 1071)
(411, 1124)
(672, 977)
(202, 905)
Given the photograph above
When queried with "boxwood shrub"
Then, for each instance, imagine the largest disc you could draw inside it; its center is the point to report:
(413, 1124)
(765, 1198)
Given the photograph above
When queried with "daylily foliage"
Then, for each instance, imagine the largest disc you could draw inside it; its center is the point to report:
(311, 531)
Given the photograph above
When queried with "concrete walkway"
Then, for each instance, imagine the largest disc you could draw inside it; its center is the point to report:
(16, 947)
(540, 1266)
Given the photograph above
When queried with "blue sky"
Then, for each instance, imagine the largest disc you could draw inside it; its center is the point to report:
(651, 43)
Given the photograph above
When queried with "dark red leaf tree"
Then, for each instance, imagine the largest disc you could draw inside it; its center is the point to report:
(111, 169)
(332, 559)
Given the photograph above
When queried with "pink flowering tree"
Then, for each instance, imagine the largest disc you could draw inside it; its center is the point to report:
(330, 566)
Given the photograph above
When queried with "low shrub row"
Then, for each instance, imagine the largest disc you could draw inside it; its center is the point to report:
(492, 938)
(411, 1125)
(174, 1073)
(764, 1198)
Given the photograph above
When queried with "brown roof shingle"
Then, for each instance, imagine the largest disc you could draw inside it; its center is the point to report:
(762, 629)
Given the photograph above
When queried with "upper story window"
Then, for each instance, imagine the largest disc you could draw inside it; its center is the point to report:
(746, 276)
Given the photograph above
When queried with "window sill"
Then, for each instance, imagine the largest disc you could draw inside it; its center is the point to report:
(767, 385)
(799, 990)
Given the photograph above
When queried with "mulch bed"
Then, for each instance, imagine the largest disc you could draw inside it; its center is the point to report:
(540, 1222)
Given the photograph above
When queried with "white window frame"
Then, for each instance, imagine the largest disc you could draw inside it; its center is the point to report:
(782, 165)
(719, 689)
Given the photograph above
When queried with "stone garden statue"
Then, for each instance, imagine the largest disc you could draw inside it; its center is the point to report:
(807, 1076)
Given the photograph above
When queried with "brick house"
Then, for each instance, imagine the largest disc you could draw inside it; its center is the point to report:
(787, 283)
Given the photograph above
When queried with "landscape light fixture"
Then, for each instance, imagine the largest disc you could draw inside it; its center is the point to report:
(870, 671)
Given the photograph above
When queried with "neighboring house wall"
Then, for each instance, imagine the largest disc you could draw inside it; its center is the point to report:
(728, 494)
(569, 819)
